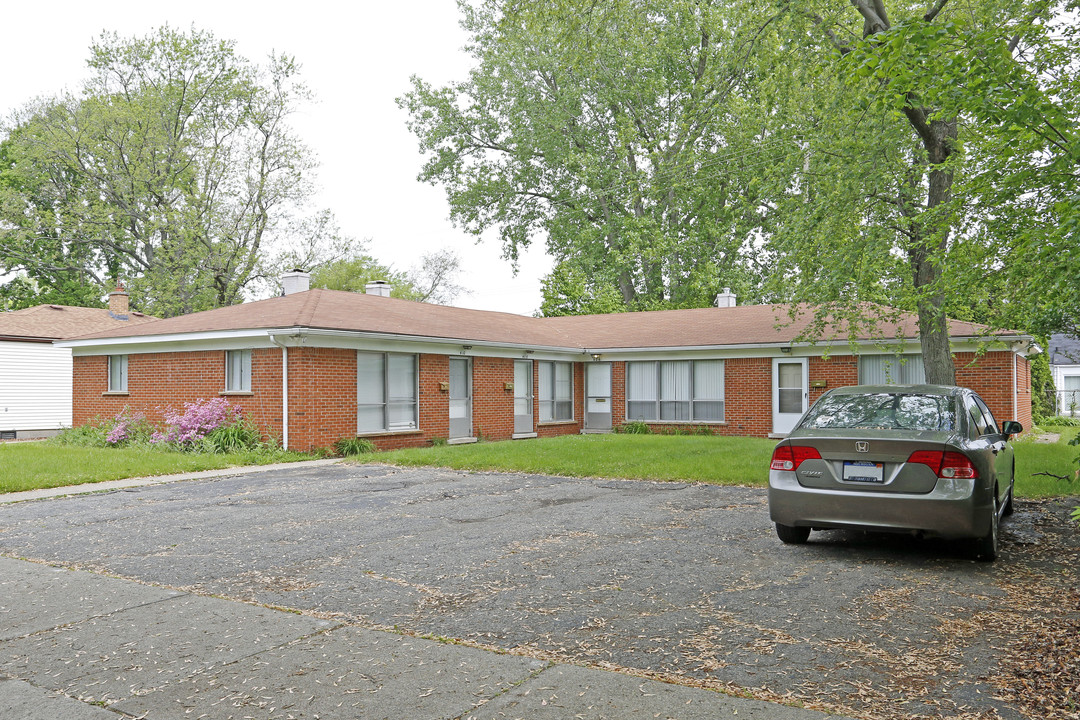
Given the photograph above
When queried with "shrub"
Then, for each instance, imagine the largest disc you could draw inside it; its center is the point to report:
(92, 434)
(200, 419)
(350, 446)
(237, 436)
(1059, 421)
(129, 428)
(635, 427)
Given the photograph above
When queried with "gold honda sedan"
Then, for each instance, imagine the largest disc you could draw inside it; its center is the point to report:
(919, 459)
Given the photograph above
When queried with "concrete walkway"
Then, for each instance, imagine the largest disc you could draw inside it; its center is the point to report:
(82, 646)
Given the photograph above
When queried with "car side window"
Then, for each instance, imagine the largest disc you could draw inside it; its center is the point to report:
(976, 421)
(992, 425)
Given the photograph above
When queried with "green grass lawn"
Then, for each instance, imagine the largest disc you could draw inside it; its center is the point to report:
(33, 465)
(718, 460)
(724, 461)
(1057, 458)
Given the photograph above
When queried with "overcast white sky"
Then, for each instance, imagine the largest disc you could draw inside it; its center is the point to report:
(357, 57)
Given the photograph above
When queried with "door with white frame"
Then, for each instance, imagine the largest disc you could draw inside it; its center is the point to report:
(598, 396)
(790, 392)
(523, 397)
(460, 398)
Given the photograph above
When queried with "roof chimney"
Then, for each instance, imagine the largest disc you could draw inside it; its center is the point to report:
(118, 303)
(378, 287)
(296, 281)
(725, 299)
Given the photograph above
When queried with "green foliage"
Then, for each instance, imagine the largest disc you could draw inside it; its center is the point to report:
(352, 446)
(618, 132)
(239, 436)
(634, 427)
(173, 169)
(354, 273)
(92, 434)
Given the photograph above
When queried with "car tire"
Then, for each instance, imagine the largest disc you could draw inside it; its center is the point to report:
(986, 548)
(792, 535)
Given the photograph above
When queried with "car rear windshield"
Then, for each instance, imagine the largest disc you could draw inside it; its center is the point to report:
(884, 410)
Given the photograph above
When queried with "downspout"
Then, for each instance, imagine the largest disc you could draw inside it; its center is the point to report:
(284, 391)
(1016, 392)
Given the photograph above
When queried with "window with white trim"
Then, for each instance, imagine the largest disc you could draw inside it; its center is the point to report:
(118, 373)
(386, 392)
(555, 391)
(238, 371)
(675, 391)
(891, 370)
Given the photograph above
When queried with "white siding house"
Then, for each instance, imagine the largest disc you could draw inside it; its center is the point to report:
(35, 375)
(1065, 368)
(35, 389)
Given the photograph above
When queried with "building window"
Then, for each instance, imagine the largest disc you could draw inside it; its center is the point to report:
(1070, 395)
(891, 370)
(238, 371)
(386, 392)
(555, 391)
(118, 373)
(675, 391)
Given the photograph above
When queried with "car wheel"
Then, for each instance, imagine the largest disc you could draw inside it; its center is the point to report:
(792, 535)
(986, 548)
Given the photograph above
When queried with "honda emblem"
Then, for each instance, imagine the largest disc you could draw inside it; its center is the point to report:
(862, 446)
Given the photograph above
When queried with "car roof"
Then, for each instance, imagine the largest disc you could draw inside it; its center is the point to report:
(948, 390)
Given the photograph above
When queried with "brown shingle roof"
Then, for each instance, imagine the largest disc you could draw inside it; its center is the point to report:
(347, 311)
(60, 322)
(745, 325)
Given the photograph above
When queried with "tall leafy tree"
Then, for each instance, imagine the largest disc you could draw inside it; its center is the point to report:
(956, 158)
(174, 170)
(433, 281)
(616, 133)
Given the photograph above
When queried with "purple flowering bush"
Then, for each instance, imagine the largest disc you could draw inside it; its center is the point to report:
(208, 426)
(127, 428)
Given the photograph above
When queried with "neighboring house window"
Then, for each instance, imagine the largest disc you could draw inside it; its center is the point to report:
(238, 371)
(891, 370)
(555, 391)
(1070, 396)
(386, 391)
(675, 391)
(118, 373)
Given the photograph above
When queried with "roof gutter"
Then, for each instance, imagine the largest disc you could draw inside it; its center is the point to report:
(284, 390)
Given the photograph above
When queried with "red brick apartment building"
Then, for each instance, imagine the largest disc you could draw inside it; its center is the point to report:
(313, 366)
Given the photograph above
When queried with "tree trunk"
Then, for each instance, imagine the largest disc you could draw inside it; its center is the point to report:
(927, 252)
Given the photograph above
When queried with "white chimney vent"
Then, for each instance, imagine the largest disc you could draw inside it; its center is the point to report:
(725, 299)
(378, 287)
(296, 281)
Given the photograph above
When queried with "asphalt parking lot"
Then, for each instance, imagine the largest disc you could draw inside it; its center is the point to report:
(679, 582)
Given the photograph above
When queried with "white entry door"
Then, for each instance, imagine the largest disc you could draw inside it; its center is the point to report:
(790, 393)
(598, 396)
(460, 398)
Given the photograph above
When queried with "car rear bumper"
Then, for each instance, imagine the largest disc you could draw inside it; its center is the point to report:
(953, 509)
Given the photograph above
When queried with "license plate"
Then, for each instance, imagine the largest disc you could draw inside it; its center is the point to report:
(864, 472)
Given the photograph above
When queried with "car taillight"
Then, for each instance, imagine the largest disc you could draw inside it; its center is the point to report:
(790, 457)
(945, 464)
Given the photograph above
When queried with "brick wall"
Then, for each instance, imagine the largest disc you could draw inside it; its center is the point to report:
(322, 382)
(991, 376)
(158, 381)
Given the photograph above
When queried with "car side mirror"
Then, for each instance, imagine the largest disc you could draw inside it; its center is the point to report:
(1011, 427)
